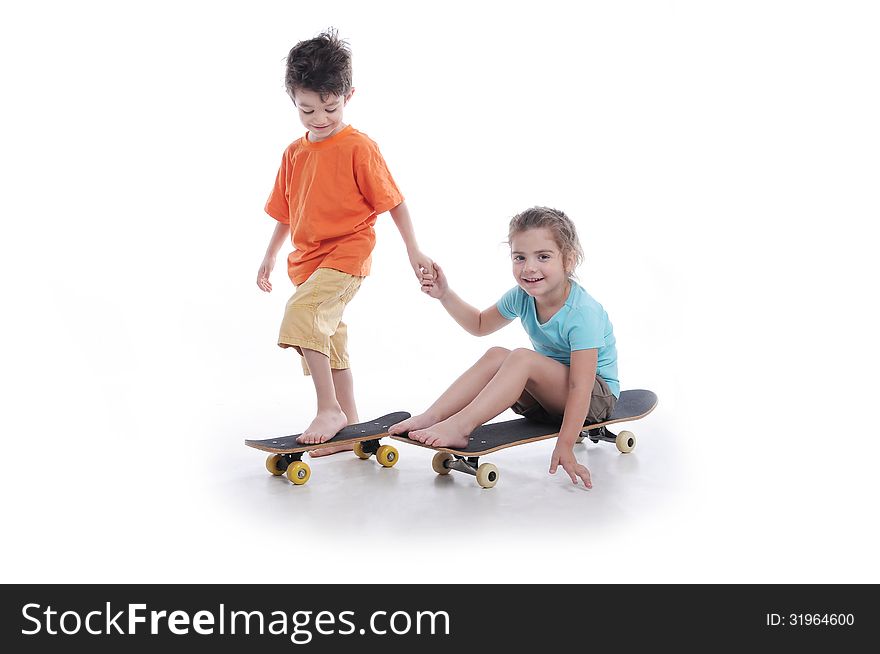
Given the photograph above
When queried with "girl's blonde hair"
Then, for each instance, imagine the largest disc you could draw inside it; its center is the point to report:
(560, 225)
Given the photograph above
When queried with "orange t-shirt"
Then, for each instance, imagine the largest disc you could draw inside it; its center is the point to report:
(330, 193)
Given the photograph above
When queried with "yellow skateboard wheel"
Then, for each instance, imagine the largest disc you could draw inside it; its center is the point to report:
(299, 472)
(272, 464)
(387, 455)
(359, 450)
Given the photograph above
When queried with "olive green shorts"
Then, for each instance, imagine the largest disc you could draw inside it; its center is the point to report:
(601, 406)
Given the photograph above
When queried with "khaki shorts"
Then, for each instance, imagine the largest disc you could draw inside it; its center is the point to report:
(313, 316)
(601, 406)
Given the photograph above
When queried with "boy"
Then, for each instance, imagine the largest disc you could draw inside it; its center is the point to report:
(331, 186)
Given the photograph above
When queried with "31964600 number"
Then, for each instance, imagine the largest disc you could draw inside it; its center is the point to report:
(810, 619)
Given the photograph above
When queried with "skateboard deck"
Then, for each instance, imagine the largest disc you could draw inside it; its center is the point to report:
(488, 438)
(286, 452)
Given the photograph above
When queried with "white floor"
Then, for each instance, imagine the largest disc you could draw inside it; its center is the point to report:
(196, 505)
(347, 496)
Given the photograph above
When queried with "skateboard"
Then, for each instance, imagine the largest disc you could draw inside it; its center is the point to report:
(286, 452)
(491, 437)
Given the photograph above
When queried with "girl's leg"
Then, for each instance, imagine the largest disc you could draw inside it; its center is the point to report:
(543, 378)
(460, 394)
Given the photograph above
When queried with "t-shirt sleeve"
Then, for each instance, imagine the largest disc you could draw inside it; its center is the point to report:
(278, 204)
(509, 304)
(586, 331)
(374, 179)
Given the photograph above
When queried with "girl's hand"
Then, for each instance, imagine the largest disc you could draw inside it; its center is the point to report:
(263, 274)
(434, 284)
(564, 456)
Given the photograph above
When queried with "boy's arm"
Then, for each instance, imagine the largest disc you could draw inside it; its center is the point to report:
(581, 378)
(281, 233)
(472, 320)
(420, 262)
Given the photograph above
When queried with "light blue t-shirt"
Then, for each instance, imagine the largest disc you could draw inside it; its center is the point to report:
(581, 324)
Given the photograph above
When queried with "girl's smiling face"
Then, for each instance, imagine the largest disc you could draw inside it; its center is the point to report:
(539, 266)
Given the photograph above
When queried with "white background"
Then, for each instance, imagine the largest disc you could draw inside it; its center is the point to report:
(720, 160)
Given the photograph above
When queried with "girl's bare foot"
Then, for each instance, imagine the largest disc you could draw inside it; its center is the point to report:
(416, 422)
(324, 427)
(444, 434)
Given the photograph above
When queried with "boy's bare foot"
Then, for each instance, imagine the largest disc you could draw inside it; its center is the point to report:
(444, 434)
(324, 427)
(332, 449)
(416, 422)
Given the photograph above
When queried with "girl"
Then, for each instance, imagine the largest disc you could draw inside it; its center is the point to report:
(569, 379)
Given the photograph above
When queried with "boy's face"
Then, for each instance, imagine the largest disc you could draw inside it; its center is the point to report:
(323, 118)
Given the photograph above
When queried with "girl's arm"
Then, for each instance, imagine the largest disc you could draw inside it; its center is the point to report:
(472, 320)
(581, 379)
(478, 323)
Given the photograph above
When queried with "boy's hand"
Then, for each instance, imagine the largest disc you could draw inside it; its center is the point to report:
(263, 274)
(421, 264)
(564, 456)
(435, 284)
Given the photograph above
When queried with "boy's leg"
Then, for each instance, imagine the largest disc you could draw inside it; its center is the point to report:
(313, 325)
(344, 385)
(545, 380)
(330, 418)
(460, 394)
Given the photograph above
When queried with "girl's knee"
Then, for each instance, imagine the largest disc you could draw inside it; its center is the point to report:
(524, 358)
(522, 354)
(496, 354)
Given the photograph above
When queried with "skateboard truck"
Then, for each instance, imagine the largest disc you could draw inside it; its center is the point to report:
(486, 473)
(290, 464)
(625, 440)
(369, 447)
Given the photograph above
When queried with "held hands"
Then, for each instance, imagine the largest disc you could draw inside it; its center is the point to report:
(421, 263)
(263, 274)
(564, 456)
(434, 283)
